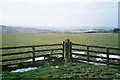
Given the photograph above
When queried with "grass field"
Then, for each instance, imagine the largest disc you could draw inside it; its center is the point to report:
(99, 39)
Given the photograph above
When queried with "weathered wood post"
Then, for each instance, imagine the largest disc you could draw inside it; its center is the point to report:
(63, 49)
(107, 51)
(70, 51)
(67, 50)
(33, 54)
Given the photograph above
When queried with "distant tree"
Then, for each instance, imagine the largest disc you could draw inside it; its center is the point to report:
(116, 30)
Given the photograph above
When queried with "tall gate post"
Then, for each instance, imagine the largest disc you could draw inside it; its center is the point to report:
(67, 50)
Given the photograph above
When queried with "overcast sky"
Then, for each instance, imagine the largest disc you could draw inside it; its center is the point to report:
(51, 13)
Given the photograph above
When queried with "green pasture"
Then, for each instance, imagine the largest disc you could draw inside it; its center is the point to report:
(20, 39)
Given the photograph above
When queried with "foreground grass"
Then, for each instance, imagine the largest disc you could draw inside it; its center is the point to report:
(57, 69)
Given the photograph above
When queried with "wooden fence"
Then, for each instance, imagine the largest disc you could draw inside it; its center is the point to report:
(66, 50)
(31, 50)
(106, 60)
(91, 53)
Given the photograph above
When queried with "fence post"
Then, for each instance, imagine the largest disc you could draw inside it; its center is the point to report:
(33, 53)
(70, 51)
(107, 51)
(88, 53)
(63, 49)
(67, 51)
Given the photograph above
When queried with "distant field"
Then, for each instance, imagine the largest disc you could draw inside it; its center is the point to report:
(20, 39)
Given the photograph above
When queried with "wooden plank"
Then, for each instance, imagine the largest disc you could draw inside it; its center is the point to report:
(16, 53)
(79, 59)
(30, 46)
(97, 46)
(46, 55)
(79, 49)
(40, 56)
(16, 63)
(79, 54)
(114, 59)
(16, 59)
(16, 47)
(114, 48)
(79, 44)
(88, 45)
(47, 50)
(57, 53)
(114, 53)
(99, 52)
(48, 45)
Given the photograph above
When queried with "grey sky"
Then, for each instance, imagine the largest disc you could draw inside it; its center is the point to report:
(59, 13)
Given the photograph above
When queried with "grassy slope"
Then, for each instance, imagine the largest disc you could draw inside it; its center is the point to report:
(70, 70)
(104, 39)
